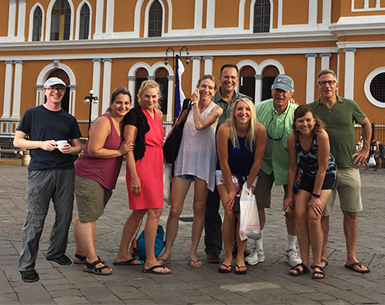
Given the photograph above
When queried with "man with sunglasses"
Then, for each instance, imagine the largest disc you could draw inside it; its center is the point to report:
(51, 175)
(339, 115)
(277, 115)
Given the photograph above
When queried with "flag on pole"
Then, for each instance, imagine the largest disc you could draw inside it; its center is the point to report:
(179, 95)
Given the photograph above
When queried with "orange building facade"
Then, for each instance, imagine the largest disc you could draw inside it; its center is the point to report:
(102, 44)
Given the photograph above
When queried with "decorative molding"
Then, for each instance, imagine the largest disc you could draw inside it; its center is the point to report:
(367, 91)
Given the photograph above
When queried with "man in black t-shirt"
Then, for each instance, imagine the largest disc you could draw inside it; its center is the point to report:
(51, 175)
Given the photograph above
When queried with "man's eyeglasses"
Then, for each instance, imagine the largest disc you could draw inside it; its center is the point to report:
(58, 89)
(329, 82)
(283, 128)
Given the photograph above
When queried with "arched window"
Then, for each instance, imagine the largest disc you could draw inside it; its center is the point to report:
(247, 81)
(262, 16)
(37, 24)
(60, 21)
(84, 28)
(141, 75)
(155, 20)
(269, 74)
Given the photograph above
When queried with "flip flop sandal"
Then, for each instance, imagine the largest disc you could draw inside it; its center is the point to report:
(91, 268)
(320, 272)
(194, 264)
(227, 270)
(153, 268)
(82, 259)
(129, 262)
(299, 271)
(357, 264)
(239, 272)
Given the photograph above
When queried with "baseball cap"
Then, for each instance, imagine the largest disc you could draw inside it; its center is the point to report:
(54, 81)
(283, 82)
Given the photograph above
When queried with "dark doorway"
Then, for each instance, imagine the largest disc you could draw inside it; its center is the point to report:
(269, 74)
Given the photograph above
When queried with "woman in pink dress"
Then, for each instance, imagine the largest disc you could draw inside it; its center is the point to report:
(144, 177)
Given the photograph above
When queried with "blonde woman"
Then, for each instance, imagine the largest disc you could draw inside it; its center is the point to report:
(143, 126)
(241, 144)
(196, 163)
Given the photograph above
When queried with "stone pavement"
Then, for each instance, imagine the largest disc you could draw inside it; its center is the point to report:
(266, 283)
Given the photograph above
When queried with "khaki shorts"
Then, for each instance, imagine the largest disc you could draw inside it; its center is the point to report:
(263, 192)
(349, 191)
(91, 198)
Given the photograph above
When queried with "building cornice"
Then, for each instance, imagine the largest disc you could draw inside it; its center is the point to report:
(233, 39)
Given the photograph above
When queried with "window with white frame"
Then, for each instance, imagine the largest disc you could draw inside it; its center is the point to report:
(262, 16)
(37, 24)
(374, 87)
(155, 20)
(60, 21)
(84, 28)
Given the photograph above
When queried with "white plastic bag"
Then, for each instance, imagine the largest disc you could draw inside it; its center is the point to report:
(372, 161)
(167, 171)
(249, 226)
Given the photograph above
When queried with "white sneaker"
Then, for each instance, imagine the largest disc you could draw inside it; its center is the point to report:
(293, 258)
(256, 256)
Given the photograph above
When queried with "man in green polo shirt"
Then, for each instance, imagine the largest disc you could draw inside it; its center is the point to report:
(339, 115)
(277, 115)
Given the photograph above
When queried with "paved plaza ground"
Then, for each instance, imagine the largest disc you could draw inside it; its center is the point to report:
(266, 283)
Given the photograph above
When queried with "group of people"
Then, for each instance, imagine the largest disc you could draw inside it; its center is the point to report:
(227, 143)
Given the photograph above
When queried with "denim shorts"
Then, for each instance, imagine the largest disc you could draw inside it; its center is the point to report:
(189, 178)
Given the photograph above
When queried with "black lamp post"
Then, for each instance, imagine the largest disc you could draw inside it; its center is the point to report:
(90, 99)
(174, 54)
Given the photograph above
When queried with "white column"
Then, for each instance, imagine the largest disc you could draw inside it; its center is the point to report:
(17, 90)
(71, 104)
(131, 88)
(12, 19)
(110, 18)
(196, 71)
(99, 19)
(21, 21)
(198, 14)
(327, 11)
(325, 60)
(96, 87)
(7, 89)
(349, 72)
(310, 82)
(258, 88)
(313, 10)
(106, 83)
(208, 64)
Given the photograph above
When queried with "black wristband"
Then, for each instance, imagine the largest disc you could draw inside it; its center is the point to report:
(315, 195)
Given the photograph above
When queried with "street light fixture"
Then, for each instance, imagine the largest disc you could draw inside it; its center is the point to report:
(92, 100)
(174, 53)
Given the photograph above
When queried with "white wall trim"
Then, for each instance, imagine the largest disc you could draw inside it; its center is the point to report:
(366, 7)
(349, 72)
(198, 15)
(99, 18)
(49, 14)
(78, 12)
(110, 14)
(12, 19)
(210, 17)
(21, 21)
(367, 83)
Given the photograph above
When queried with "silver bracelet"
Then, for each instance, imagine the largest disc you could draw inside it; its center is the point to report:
(194, 102)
